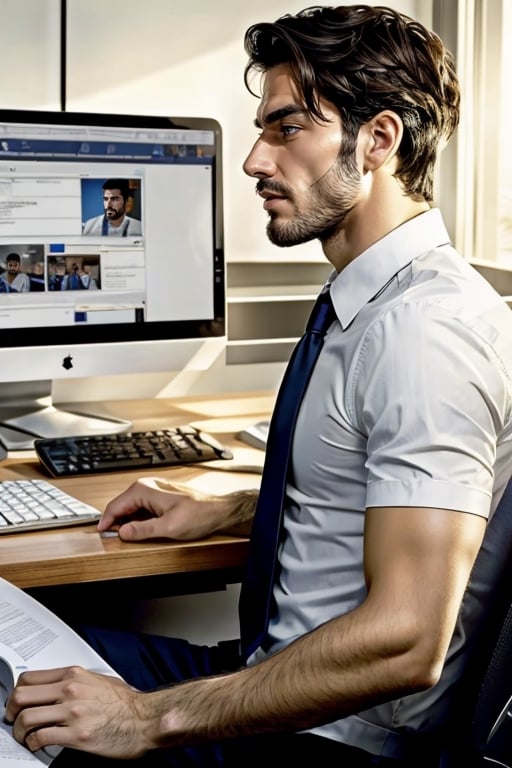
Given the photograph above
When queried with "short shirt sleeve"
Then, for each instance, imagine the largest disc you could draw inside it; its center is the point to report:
(428, 392)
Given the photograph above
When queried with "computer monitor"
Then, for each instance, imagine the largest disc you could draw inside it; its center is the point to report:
(111, 256)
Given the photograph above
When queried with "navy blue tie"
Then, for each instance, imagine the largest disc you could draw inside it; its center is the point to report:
(256, 593)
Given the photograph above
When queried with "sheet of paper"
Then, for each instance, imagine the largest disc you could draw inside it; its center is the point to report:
(32, 637)
(13, 755)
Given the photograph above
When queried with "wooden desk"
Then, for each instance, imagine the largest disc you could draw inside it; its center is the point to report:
(80, 555)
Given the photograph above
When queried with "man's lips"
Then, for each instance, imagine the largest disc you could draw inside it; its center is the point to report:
(270, 198)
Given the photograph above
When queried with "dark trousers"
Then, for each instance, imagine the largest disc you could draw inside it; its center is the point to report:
(148, 662)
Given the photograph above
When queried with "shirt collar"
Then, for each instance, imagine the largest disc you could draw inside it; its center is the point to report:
(369, 272)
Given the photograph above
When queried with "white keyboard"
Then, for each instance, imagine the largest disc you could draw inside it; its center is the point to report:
(29, 505)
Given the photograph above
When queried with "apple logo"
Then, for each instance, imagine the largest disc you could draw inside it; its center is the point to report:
(67, 362)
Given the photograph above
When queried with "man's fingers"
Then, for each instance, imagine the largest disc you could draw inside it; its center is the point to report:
(139, 530)
(37, 727)
(49, 737)
(44, 676)
(26, 697)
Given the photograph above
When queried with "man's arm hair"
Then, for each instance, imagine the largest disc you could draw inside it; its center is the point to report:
(244, 505)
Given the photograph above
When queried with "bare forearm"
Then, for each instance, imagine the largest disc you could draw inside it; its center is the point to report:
(307, 684)
(240, 507)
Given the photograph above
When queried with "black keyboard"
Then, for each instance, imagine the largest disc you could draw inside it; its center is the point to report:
(66, 456)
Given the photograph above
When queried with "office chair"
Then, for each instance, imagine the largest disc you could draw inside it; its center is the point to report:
(496, 691)
(479, 733)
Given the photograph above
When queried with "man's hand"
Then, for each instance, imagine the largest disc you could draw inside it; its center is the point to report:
(83, 710)
(155, 508)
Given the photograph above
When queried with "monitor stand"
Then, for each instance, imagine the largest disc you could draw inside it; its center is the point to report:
(27, 412)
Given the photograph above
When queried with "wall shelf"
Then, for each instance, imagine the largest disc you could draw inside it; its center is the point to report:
(268, 304)
(271, 293)
(498, 275)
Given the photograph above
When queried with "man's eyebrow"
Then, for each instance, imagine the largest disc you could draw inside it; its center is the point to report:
(279, 114)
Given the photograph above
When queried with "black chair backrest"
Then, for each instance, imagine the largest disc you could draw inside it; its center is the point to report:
(480, 731)
(493, 712)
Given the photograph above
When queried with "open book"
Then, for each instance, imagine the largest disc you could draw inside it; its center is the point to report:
(32, 637)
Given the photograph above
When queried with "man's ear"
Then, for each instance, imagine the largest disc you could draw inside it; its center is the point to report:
(383, 134)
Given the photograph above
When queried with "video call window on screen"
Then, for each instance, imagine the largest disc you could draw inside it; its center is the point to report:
(106, 224)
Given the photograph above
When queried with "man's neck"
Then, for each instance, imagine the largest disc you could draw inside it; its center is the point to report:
(370, 220)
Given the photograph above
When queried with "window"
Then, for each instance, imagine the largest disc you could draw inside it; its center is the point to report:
(479, 201)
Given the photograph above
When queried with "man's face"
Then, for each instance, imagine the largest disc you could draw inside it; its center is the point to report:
(13, 267)
(307, 192)
(114, 204)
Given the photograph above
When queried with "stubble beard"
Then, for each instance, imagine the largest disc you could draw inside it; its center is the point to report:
(329, 202)
(113, 215)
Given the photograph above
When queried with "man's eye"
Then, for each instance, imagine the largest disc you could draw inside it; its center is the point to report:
(289, 130)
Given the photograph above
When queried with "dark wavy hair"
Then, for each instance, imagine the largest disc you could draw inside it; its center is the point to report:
(365, 59)
(123, 185)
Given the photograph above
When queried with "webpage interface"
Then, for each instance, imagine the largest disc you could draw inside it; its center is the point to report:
(75, 249)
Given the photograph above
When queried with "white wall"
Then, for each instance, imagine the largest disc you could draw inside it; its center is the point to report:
(165, 57)
(29, 43)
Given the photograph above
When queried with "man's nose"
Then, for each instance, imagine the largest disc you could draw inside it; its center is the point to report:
(259, 162)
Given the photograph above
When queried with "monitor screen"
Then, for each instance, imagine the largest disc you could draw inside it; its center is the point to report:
(111, 253)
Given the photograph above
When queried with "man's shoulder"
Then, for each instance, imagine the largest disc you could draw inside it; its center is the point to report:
(91, 224)
(134, 226)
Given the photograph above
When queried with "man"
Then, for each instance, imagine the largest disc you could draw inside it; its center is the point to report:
(401, 449)
(56, 273)
(15, 279)
(88, 278)
(72, 280)
(115, 221)
(78, 279)
(4, 287)
(36, 277)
